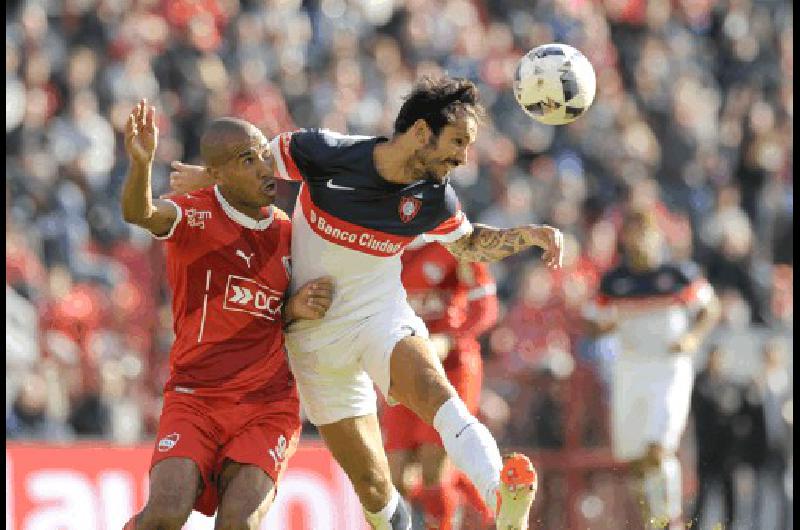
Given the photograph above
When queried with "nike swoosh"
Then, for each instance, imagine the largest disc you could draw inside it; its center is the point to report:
(412, 185)
(333, 186)
(464, 429)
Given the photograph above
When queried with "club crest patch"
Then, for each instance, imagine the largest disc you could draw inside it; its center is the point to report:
(168, 442)
(409, 208)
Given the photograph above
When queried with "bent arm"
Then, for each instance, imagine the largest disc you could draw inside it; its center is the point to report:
(707, 317)
(138, 205)
(487, 244)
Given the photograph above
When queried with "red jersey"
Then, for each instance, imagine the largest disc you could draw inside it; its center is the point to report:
(228, 274)
(451, 297)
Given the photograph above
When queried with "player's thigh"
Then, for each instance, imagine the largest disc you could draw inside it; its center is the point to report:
(247, 492)
(175, 484)
(357, 446)
(629, 412)
(417, 378)
(668, 401)
(330, 394)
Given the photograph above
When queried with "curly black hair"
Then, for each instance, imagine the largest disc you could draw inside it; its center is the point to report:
(437, 101)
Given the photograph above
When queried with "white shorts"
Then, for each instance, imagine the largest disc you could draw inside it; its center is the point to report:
(649, 404)
(336, 381)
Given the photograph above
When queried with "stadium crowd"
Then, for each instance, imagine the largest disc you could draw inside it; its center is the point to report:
(693, 118)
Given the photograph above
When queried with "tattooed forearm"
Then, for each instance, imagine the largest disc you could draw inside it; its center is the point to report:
(492, 244)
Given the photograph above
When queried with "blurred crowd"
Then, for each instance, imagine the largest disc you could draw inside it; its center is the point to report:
(693, 119)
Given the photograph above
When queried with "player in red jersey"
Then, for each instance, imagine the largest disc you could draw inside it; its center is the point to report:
(457, 302)
(230, 419)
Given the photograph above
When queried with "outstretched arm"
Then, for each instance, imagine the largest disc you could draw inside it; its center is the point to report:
(138, 206)
(487, 243)
(185, 178)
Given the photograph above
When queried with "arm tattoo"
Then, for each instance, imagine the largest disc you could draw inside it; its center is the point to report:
(487, 243)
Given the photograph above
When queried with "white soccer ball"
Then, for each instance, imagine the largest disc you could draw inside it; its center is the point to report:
(554, 84)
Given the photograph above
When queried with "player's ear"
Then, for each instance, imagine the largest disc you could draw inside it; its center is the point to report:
(422, 133)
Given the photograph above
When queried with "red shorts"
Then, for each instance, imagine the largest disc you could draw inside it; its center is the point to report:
(403, 430)
(208, 430)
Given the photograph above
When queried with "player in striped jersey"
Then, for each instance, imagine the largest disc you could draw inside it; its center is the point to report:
(661, 312)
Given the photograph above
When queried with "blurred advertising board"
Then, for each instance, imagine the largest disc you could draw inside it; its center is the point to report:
(90, 486)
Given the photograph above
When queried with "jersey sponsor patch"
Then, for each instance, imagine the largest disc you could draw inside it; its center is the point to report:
(197, 218)
(249, 296)
(349, 235)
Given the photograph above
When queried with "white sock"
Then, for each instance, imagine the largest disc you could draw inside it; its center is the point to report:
(470, 446)
(380, 520)
(662, 490)
(671, 468)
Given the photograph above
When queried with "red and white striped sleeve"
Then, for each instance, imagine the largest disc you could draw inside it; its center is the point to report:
(285, 165)
(450, 229)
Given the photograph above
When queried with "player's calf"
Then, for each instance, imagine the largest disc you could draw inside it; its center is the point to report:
(419, 382)
(162, 518)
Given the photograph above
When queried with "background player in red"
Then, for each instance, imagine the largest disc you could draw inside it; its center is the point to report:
(230, 419)
(457, 302)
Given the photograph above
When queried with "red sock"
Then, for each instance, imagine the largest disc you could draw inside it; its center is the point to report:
(130, 525)
(439, 504)
(472, 496)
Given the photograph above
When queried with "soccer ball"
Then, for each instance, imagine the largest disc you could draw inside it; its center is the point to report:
(554, 84)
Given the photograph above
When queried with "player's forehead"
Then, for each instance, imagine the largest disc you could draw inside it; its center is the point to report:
(465, 126)
(254, 142)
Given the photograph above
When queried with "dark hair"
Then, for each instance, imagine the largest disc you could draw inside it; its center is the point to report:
(436, 101)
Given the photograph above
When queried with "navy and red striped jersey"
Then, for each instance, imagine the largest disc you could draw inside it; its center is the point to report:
(653, 308)
(352, 224)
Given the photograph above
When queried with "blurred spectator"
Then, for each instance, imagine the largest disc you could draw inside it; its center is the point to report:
(29, 418)
(692, 119)
(769, 442)
(717, 402)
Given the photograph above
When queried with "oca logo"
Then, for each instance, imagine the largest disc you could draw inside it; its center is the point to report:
(249, 296)
(168, 442)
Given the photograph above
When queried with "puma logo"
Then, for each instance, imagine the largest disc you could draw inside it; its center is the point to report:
(245, 256)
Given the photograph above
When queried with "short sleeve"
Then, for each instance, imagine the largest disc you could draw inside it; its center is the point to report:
(455, 225)
(698, 292)
(285, 160)
(307, 154)
(171, 235)
(192, 213)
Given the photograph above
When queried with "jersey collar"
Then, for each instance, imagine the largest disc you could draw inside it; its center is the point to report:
(240, 218)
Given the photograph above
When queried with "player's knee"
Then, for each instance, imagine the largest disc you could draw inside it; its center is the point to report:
(236, 521)
(165, 511)
(156, 516)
